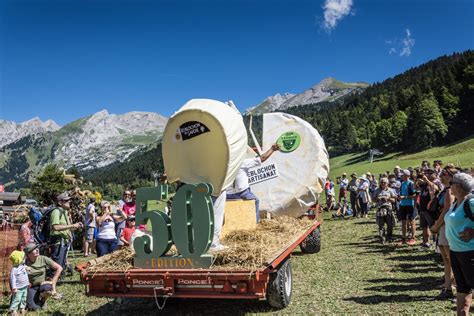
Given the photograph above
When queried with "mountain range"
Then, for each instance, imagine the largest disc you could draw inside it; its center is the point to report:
(327, 90)
(90, 142)
(11, 131)
(103, 139)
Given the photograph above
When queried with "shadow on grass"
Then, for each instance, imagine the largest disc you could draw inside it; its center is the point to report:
(399, 298)
(364, 223)
(414, 284)
(181, 307)
(357, 159)
(413, 257)
(410, 280)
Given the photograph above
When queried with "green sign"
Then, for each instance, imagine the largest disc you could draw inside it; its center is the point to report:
(190, 228)
(289, 141)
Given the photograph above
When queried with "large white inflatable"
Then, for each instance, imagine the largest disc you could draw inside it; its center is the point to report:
(204, 141)
(290, 181)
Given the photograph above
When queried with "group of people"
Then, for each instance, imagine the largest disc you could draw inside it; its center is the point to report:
(441, 197)
(35, 273)
(111, 226)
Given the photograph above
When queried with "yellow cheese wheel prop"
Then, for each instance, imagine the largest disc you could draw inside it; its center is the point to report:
(205, 141)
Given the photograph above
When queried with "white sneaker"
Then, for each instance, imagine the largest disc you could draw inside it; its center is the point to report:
(215, 248)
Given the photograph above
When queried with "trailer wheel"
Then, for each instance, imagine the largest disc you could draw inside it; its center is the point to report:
(312, 243)
(279, 287)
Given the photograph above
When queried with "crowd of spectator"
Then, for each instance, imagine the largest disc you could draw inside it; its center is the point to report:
(41, 256)
(438, 198)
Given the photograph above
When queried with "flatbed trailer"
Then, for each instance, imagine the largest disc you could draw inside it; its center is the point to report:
(272, 282)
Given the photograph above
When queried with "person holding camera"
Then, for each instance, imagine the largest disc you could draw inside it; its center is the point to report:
(107, 240)
(61, 229)
(429, 186)
(384, 197)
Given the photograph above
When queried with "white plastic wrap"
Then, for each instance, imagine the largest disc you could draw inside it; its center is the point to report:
(204, 141)
(288, 183)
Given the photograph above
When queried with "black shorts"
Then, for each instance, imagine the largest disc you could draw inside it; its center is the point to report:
(463, 270)
(426, 219)
(407, 212)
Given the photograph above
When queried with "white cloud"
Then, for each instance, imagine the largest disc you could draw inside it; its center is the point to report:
(401, 47)
(334, 11)
(408, 43)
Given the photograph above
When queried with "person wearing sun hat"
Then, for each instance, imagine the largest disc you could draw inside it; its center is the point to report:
(363, 195)
(61, 229)
(37, 267)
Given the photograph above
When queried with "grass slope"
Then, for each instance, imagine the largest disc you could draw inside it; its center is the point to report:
(460, 153)
(353, 273)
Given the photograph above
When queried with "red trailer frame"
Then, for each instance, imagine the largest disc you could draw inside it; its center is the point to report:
(194, 283)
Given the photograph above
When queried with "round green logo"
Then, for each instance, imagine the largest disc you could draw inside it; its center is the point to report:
(289, 141)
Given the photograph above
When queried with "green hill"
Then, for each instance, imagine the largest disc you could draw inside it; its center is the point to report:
(417, 109)
(461, 154)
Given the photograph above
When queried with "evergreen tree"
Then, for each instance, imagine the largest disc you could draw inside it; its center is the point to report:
(426, 123)
(48, 185)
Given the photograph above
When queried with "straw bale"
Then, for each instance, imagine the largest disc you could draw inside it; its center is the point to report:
(249, 249)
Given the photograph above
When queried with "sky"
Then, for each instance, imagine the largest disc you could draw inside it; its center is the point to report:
(66, 59)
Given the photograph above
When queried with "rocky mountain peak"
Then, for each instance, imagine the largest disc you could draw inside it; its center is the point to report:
(328, 89)
(11, 131)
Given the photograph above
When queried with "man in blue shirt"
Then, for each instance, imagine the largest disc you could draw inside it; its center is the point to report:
(407, 207)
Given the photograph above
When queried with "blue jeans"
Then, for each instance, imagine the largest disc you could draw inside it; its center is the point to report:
(247, 195)
(364, 208)
(105, 246)
(33, 300)
(59, 254)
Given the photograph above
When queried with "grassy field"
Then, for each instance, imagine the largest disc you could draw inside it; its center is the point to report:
(461, 154)
(353, 273)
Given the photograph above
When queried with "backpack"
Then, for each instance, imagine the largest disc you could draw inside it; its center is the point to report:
(41, 220)
(467, 207)
(435, 208)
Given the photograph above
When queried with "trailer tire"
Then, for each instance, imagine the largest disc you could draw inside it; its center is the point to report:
(280, 286)
(312, 243)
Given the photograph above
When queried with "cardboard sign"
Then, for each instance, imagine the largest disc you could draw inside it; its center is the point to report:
(262, 173)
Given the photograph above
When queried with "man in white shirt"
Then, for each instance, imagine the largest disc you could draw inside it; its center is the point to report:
(241, 188)
(343, 183)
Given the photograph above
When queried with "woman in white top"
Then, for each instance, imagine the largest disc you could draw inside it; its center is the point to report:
(106, 238)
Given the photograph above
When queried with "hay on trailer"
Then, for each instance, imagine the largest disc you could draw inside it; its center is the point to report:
(248, 249)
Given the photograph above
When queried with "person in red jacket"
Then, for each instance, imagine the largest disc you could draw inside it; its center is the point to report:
(127, 232)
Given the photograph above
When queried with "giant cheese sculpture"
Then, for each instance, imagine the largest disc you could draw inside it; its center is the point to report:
(290, 181)
(204, 141)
